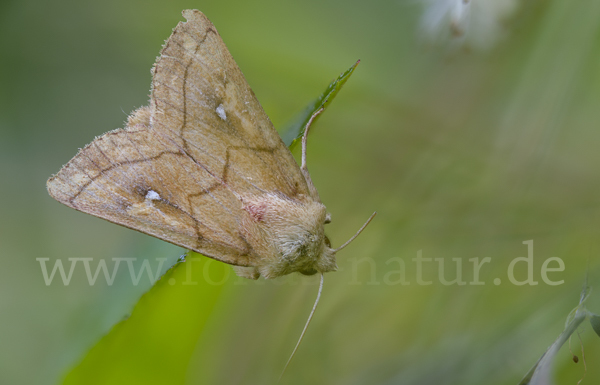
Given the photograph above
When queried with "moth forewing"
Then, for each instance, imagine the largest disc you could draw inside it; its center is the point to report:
(203, 167)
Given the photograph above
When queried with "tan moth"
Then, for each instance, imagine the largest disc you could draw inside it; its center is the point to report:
(203, 167)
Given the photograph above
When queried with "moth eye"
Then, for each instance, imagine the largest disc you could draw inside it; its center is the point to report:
(327, 242)
(308, 272)
(327, 218)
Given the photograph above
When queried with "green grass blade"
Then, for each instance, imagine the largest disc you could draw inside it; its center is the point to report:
(541, 372)
(292, 134)
(154, 345)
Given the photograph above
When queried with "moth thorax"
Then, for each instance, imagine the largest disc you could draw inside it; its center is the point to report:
(296, 235)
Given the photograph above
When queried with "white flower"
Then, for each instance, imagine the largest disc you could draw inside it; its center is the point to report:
(474, 23)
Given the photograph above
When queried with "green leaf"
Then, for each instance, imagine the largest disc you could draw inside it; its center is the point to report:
(292, 134)
(595, 321)
(154, 345)
(541, 372)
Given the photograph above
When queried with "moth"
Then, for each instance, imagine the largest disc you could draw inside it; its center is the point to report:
(203, 167)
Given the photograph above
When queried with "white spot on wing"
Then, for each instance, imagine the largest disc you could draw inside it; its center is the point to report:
(221, 112)
(153, 195)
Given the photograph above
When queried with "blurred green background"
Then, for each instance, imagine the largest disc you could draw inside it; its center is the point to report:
(464, 152)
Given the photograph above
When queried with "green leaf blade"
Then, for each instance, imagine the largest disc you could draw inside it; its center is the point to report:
(595, 321)
(154, 345)
(292, 134)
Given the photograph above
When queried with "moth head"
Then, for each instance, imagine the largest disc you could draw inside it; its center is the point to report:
(328, 251)
(326, 260)
(328, 254)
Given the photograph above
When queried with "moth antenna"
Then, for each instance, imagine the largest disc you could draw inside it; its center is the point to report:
(305, 327)
(311, 187)
(305, 136)
(357, 233)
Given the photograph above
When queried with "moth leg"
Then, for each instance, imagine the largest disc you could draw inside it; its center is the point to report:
(303, 167)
